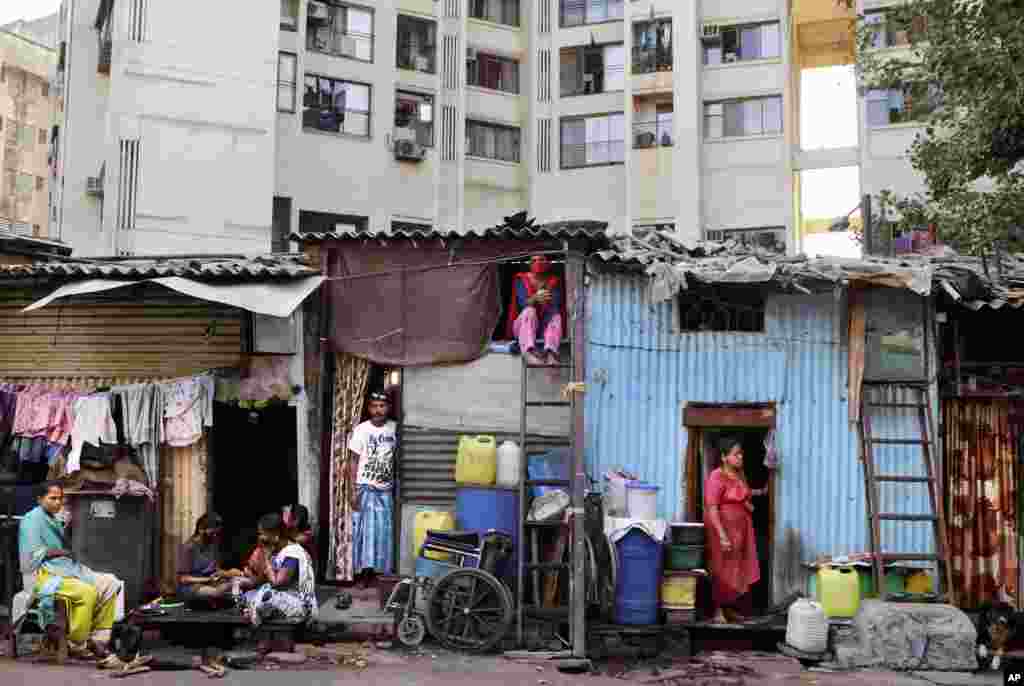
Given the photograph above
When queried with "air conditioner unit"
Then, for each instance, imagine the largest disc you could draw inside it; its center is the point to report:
(710, 31)
(94, 185)
(409, 150)
(317, 11)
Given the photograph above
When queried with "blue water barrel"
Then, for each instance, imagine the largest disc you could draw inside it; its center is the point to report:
(479, 508)
(639, 579)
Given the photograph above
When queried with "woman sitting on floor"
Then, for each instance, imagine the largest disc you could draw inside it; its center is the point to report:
(296, 520)
(290, 591)
(201, 581)
(79, 603)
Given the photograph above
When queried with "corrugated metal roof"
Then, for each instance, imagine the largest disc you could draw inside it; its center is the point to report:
(641, 374)
(592, 230)
(199, 268)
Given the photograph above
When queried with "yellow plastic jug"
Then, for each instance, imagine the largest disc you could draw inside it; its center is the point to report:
(919, 582)
(426, 520)
(839, 591)
(679, 590)
(477, 461)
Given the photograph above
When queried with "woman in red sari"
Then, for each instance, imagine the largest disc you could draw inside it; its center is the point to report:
(732, 549)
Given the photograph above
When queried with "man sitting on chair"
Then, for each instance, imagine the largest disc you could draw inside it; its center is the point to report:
(537, 307)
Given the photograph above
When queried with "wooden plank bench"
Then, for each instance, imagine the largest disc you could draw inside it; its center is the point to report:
(217, 627)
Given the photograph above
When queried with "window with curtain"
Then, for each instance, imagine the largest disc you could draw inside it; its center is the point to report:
(742, 43)
(589, 69)
(336, 106)
(497, 11)
(910, 102)
(593, 140)
(886, 33)
(579, 12)
(416, 49)
(652, 46)
(346, 32)
(492, 141)
(494, 72)
(746, 117)
(286, 82)
(414, 117)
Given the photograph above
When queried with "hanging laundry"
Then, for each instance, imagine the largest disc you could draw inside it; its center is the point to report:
(8, 403)
(93, 425)
(188, 408)
(142, 414)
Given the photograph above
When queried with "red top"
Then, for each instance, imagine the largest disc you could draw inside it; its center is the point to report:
(551, 282)
(735, 571)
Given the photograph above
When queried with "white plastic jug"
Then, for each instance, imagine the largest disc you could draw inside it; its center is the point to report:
(509, 464)
(807, 627)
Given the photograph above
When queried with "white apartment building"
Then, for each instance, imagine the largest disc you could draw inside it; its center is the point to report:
(381, 114)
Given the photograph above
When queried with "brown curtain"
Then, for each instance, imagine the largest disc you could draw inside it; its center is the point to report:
(980, 461)
(350, 381)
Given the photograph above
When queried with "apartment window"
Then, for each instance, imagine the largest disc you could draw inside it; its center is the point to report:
(24, 135)
(326, 222)
(337, 106)
(741, 43)
(593, 141)
(770, 239)
(593, 69)
(44, 89)
(492, 141)
(652, 46)
(651, 133)
(416, 44)
(579, 12)
(289, 15)
(42, 136)
(888, 34)
(286, 81)
(497, 11)
(39, 183)
(747, 117)
(492, 71)
(414, 118)
(341, 30)
(724, 308)
(908, 103)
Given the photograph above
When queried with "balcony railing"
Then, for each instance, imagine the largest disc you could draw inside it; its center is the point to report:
(647, 60)
(653, 134)
(595, 153)
(354, 45)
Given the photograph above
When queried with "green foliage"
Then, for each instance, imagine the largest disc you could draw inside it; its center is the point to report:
(972, 144)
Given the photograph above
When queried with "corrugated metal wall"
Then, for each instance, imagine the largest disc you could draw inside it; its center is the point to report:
(641, 374)
(142, 332)
(427, 466)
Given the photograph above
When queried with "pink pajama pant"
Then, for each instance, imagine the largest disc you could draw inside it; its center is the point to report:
(525, 330)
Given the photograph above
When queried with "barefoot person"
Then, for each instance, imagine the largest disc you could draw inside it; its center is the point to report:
(732, 550)
(290, 590)
(372, 453)
(201, 581)
(88, 598)
(536, 310)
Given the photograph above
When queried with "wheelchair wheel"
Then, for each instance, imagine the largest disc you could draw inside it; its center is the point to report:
(411, 631)
(469, 610)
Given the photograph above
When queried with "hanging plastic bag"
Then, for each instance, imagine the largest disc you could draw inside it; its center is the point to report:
(771, 456)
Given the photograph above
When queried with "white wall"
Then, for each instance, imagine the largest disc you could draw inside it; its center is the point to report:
(203, 111)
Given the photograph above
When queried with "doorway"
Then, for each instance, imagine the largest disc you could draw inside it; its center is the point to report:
(255, 473)
(707, 427)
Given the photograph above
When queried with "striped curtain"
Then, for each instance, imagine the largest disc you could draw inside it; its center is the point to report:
(981, 461)
(351, 378)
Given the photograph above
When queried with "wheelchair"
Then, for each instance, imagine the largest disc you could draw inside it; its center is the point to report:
(456, 593)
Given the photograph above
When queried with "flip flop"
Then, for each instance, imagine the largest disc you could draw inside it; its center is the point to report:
(128, 672)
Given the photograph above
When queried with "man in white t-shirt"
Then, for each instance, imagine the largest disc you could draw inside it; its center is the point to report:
(371, 453)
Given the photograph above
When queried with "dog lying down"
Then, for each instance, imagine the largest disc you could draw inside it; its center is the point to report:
(997, 626)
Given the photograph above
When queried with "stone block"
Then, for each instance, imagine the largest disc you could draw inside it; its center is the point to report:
(909, 636)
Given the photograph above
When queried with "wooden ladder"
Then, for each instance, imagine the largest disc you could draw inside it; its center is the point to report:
(875, 400)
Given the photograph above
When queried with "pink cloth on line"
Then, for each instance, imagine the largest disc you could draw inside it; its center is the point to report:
(525, 330)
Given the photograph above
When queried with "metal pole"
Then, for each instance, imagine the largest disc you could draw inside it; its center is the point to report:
(869, 228)
(574, 267)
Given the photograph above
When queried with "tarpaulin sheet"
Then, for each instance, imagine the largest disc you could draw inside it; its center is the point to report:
(408, 303)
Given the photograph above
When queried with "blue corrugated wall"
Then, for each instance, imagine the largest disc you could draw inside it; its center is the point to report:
(641, 374)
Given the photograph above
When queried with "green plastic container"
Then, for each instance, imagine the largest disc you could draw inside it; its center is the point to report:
(685, 557)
